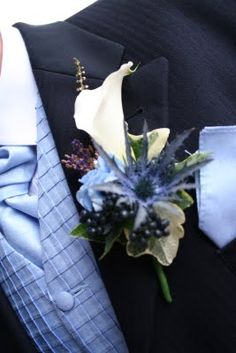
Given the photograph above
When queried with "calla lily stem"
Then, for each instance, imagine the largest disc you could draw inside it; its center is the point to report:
(163, 281)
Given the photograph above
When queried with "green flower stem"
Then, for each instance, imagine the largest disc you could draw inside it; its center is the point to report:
(163, 281)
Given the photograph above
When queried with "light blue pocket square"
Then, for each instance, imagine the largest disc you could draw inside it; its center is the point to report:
(216, 191)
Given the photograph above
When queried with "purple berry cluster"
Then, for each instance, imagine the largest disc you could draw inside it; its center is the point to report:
(82, 158)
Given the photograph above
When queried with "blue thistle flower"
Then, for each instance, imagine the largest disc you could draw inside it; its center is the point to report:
(146, 182)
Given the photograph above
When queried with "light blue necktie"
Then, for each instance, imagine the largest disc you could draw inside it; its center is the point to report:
(19, 202)
(217, 185)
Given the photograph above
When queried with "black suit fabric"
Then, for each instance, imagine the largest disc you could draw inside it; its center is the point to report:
(193, 43)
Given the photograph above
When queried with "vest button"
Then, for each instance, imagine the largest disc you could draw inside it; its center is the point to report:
(64, 300)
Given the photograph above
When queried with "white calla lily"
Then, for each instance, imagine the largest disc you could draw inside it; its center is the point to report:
(99, 112)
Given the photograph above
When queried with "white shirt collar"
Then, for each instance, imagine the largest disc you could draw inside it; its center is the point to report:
(18, 92)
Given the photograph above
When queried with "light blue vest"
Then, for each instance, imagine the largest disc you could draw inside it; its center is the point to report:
(53, 281)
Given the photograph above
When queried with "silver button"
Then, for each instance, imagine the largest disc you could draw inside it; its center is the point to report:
(64, 300)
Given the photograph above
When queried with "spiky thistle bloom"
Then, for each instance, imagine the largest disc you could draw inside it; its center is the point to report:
(145, 181)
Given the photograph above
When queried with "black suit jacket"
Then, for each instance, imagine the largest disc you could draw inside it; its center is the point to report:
(187, 52)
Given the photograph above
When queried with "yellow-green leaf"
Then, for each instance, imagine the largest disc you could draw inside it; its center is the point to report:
(109, 242)
(185, 200)
(80, 230)
(156, 142)
(195, 158)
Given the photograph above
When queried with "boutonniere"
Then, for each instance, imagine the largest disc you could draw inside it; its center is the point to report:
(133, 188)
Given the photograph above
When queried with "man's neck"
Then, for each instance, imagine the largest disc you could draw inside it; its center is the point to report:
(1, 50)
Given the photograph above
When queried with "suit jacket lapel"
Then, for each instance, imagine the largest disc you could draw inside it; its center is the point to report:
(51, 49)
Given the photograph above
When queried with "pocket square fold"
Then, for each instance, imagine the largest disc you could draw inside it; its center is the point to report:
(216, 191)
